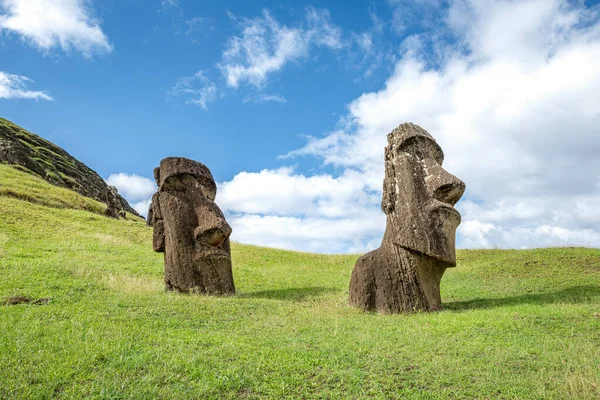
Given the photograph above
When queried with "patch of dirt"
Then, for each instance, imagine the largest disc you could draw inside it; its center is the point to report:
(11, 301)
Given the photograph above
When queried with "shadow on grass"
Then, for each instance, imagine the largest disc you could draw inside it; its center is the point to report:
(574, 295)
(290, 294)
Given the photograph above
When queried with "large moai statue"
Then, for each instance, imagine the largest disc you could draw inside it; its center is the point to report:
(404, 273)
(190, 229)
(113, 205)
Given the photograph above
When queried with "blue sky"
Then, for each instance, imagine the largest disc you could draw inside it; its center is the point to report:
(289, 103)
(109, 105)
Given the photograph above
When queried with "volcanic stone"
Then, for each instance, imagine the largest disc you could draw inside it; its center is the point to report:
(404, 273)
(190, 229)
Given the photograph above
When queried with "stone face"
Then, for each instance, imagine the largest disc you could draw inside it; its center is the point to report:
(190, 229)
(404, 273)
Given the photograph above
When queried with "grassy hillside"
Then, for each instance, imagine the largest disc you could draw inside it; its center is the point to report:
(43, 159)
(16, 183)
(517, 324)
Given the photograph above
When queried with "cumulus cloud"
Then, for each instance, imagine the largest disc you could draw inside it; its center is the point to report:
(265, 46)
(138, 190)
(319, 213)
(15, 87)
(48, 24)
(283, 192)
(197, 89)
(512, 99)
(316, 235)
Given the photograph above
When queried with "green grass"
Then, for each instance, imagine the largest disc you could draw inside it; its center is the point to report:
(517, 324)
(21, 185)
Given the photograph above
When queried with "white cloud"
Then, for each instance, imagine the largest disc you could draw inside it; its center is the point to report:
(198, 90)
(284, 193)
(320, 213)
(317, 235)
(265, 46)
(133, 187)
(262, 98)
(15, 87)
(47, 24)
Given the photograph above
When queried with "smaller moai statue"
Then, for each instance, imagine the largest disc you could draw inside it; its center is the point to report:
(113, 205)
(150, 216)
(404, 273)
(190, 229)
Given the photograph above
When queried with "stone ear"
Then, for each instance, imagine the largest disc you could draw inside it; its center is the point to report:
(389, 191)
(157, 175)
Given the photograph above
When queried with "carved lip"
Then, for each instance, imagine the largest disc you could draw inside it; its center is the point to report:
(445, 206)
(211, 253)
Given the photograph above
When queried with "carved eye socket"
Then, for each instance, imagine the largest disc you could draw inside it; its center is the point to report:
(181, 183)
(422, 147)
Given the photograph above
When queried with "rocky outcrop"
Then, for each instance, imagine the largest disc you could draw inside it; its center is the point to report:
(42, 158)
(404, 273)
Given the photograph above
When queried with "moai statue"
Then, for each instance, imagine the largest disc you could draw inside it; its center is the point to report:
(190, 229)
(404, 273)
(150, 216)
(113, 205)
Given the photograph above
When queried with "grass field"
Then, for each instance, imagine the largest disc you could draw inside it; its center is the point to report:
(516, 324)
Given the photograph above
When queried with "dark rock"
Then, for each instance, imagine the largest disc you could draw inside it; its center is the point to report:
(46, 160)
(113, 206)
(191, 229)
(404, 273)
(11, 301)
(150, 216)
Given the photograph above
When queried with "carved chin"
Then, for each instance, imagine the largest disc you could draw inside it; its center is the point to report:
(442, 234)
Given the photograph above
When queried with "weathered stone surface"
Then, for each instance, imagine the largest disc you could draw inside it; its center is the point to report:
(42, 158)
(404, 273)
(191, 229)
(113, 205)
(150, 216)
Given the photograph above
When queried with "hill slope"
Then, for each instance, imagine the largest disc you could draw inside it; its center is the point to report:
(517, 324)
(46, 160)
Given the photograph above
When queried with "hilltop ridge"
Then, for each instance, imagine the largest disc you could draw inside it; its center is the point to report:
(42, 158)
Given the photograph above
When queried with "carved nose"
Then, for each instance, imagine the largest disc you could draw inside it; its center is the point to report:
(213, 236)
(450, 192)
(446, 187)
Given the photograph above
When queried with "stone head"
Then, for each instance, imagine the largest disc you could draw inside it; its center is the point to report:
(419, 195)
(111, 194)
(188, 192)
